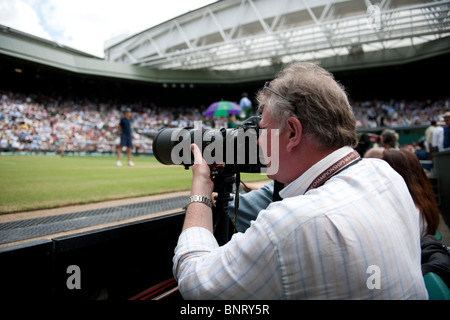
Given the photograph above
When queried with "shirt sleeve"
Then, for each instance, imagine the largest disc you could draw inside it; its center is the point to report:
(244, 268)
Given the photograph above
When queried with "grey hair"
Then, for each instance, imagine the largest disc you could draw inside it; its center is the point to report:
(314, 97)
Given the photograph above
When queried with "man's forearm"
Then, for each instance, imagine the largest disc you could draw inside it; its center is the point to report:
(198, 215)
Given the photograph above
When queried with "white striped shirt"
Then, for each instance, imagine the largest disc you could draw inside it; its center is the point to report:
(343, 240)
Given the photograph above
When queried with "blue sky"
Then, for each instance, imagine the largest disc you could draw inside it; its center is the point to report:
(86, 24)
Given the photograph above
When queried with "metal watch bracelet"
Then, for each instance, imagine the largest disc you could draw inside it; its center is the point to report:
(201, 199)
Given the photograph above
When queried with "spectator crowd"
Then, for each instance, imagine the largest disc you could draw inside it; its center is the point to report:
(38, 123)
(372, 114)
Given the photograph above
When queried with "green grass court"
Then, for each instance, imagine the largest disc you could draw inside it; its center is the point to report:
(40, 182)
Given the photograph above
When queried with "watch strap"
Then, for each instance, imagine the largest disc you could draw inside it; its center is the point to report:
(201, 199)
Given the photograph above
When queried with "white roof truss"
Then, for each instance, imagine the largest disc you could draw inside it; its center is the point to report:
(240, 34)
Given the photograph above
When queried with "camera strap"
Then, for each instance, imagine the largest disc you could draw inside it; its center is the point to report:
(343, 163)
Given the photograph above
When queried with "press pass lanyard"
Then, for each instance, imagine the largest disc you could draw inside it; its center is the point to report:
(343, 163)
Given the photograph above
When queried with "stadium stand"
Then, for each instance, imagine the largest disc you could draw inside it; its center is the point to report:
(33, 123)
(36, 123)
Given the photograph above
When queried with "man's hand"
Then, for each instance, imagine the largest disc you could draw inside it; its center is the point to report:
(199, 214)
(202, 183)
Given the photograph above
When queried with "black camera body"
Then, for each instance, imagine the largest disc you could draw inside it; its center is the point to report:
(237, 148)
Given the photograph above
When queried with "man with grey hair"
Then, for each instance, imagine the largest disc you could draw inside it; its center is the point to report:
(346, 227)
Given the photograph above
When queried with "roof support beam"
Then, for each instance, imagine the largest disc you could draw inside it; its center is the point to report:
(260, 18)
(181, 31)
(219, 27)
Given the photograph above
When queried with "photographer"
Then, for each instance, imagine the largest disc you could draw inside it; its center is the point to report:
(345, 228)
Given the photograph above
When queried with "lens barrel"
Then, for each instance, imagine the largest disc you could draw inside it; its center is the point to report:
(172, 146)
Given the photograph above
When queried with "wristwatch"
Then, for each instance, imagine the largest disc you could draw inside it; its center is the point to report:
(202, 199)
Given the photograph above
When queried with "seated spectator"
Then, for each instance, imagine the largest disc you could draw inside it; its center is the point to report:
(389, 139)
(421, 151)
(374, 152)
(408, 166)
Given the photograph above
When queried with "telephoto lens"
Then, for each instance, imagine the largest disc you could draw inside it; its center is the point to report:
(236, 147)
(167, 139)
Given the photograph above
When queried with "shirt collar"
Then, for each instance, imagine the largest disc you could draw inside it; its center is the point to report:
(301, 184)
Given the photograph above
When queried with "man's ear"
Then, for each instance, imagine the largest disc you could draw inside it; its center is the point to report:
(294, 130)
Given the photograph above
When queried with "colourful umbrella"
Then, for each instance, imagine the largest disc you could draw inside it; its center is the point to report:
(222, 109)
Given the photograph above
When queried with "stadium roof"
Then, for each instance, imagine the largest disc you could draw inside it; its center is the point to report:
(241, 34)
(247, 40)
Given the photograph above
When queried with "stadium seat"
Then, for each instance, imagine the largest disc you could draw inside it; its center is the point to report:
(438, 235)
(436, 287)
